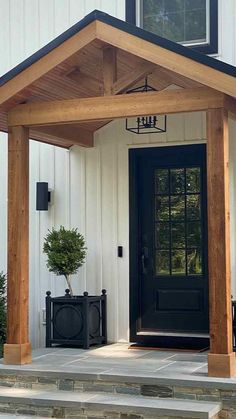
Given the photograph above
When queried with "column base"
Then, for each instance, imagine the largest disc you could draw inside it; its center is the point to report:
(222, 365)
(17, 354)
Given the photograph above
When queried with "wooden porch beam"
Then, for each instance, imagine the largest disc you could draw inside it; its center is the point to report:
(17, 350)
(109, 69)
(112, 107)
(221, 360)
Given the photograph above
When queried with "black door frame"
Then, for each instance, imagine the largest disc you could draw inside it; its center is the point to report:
(164, 340)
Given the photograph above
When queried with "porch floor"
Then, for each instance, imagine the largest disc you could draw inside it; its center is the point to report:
(117, 360)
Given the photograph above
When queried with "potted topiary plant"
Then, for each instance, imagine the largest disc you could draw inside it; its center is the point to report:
(71, 319)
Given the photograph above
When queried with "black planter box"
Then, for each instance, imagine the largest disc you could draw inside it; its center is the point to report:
(76, 320)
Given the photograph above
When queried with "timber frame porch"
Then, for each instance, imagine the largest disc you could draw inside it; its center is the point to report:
(75, 85)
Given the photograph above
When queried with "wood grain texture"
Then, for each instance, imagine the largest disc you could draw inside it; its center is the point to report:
(73, 134)
(167, 59)
(17, 354)
(222, 365)
(112, 107)
(47, 63)
(18, 237)
(219, 232)
(109, 69)
(129, 79)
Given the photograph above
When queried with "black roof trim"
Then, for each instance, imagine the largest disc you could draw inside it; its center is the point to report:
(128, 28)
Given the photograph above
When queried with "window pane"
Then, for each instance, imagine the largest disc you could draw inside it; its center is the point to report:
(195, 26)
(177, 181)
(178, 262)
(194, 262)
(162, 235)
(195, 4)
(162, 263)
(178, 235)
(193, 180)
(162, 208)
(153, 14)
(194, 234)
(173, 27)
(174, 6)
(193, 207)
(162, 181)
(177, 208)
(177, 20)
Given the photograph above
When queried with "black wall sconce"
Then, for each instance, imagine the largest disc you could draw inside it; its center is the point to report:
(43, 196)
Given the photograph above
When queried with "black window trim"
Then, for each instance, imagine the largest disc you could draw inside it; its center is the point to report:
(208, 48)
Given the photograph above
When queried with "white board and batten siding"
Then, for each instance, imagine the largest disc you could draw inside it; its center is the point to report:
(89, 187)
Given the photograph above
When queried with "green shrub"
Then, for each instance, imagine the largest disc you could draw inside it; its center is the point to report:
(3, 310)
(66, 252)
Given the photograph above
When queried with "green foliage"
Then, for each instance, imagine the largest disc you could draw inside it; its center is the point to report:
(3, 308)
(65, 250)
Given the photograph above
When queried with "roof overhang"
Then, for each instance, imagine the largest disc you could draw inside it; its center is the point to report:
(98, 56)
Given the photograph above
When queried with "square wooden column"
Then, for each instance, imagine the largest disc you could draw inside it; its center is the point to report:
(221, 359)
(17, 350)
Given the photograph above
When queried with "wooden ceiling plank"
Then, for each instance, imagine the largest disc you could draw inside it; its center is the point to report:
(72, 134)
(119, 106)
(168, 59)
(176, 79)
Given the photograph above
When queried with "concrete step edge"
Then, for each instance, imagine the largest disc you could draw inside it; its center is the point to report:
(107, 401)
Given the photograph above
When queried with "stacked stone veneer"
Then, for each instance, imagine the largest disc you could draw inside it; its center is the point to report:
(226, 394)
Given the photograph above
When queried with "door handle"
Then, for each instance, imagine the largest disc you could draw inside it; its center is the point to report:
(144, 259)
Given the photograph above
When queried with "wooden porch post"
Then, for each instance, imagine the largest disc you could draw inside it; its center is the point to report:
(221, 359)
(17, 350)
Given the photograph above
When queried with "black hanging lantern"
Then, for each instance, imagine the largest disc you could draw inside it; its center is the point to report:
(151, 124)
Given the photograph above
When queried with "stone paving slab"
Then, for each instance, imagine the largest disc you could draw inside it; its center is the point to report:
(9, 416)
(118, 363)
(118, 403)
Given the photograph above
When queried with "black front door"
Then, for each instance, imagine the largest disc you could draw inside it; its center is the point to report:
(168, 243)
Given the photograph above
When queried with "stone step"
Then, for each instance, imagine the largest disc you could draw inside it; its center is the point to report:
(66, 404)
(12, 416)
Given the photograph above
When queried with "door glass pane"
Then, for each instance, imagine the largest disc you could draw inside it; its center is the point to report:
(162, 181)
(177, 181)
(193, 207)
(178, 262)
(194, 234)
(162, 208)
(163, 262)
(178, 235)
(193, 180)
(163, 235)
(178, 224)
(177, 208)
(194, 262)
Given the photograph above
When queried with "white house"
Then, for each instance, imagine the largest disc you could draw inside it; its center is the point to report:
(96, 188)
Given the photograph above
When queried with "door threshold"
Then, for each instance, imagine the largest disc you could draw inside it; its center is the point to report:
(175, 334)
